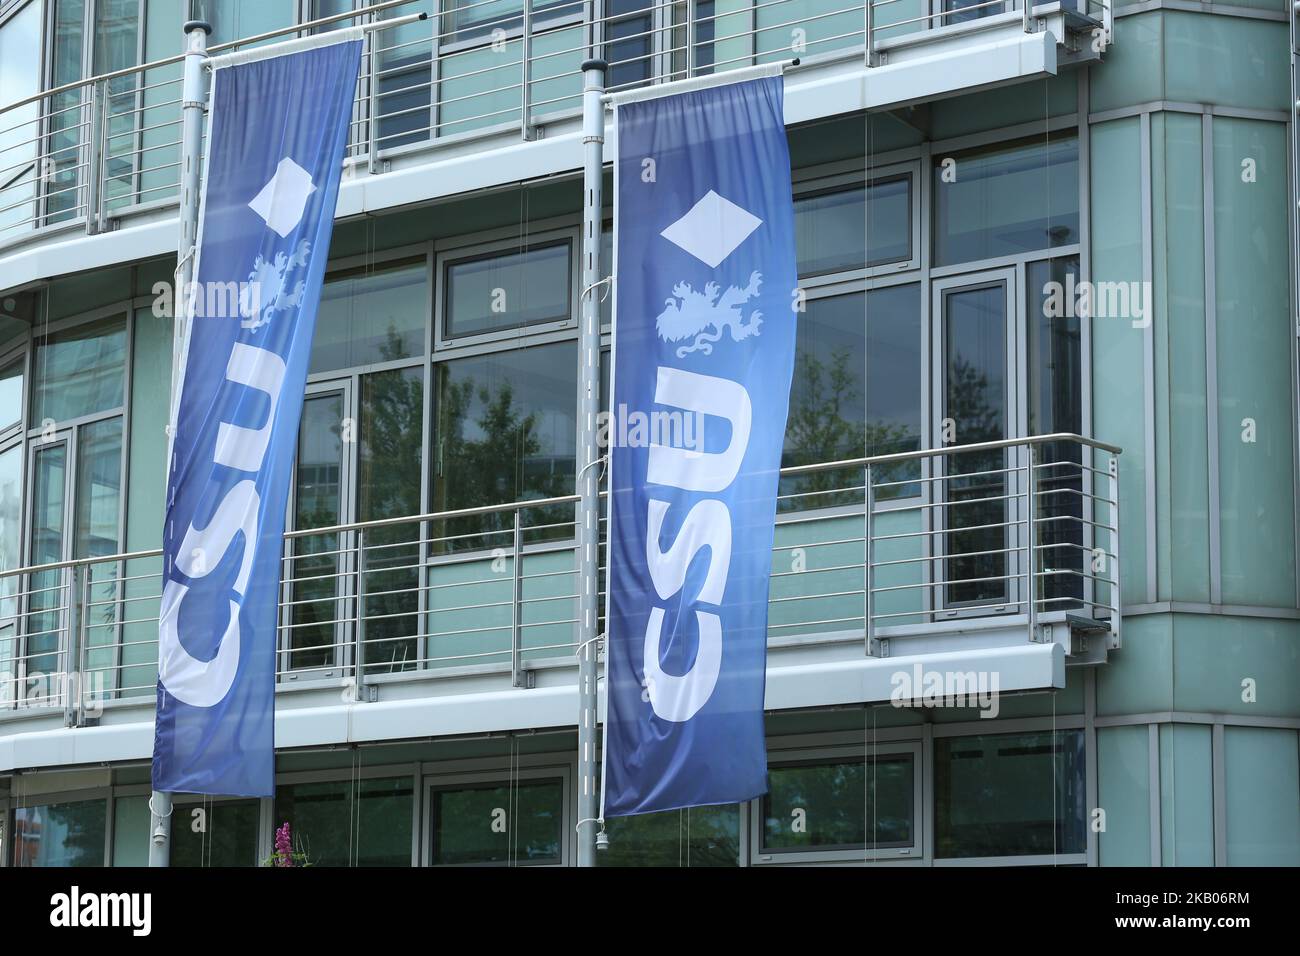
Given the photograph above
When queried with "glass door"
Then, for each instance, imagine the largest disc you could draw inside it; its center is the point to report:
(318, 566)
(47, 592)
(975, 393)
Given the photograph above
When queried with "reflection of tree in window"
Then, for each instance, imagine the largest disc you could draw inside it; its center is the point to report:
(506, 427)
(392, 413)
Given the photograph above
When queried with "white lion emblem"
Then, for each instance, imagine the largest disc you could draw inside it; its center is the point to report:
(268, 288)
(690, 313)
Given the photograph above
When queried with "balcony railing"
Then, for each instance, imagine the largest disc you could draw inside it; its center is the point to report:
(88, 153)
(1021, 534)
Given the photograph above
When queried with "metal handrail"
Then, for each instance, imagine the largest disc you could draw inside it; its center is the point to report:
(528, 504)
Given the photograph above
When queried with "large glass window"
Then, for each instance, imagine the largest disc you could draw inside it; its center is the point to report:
(1006, 199)
(629, 42)
(66, 112)
(406, 77)
(844, 229)
(117, 47)
(472, 19)
(499, 824)
(975, 409)
(390, 467)
(60, 834)
(507, 291)
(841, 805)
(11, 515)
(506, 427)
(224, 834)
(346, 823)
(79, 372)
(1009, 794)
(698, 836)
(371, 315)
(20, 77)
(317, 566)
(44, 604)
(857, 391)
(236, 19)
(11, 394)
(1056, 405)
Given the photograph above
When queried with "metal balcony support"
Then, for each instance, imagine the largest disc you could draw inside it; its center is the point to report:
(96, 171)
(1025, 7)
(372, 108)
(363, 692)
(517, 676)
(871, 57)
(1031, 544)
(72, 670)
(869, 495)
(525, 59)
(1116, 601)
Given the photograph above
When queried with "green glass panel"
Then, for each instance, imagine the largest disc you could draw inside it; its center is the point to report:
(1186, 796)
(1124, 789)
(1255, 336)
(1117, 346)
(480, 88)
(804, 28)
(840, 805)
(1263, 814)
(1133, 72)
(1009, 794)
(498, 824)
(131, 835)
(1255, 77)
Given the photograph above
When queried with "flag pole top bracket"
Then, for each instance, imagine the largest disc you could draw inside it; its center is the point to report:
(192, 25)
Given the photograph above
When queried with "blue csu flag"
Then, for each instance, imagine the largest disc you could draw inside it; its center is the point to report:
(278, 131)
(703, 354)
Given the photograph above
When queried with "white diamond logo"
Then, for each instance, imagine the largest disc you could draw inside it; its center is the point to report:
(282, 201)
(713, 229)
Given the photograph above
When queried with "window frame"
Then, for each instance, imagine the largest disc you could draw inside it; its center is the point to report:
(805, 755)
(1016, 727)
(1014, 409)
(817, 182)
(496, 249)
(448, 780)
(102, 793)
(378, 771)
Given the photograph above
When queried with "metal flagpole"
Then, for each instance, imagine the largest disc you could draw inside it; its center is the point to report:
(192, 106)
(593, 140)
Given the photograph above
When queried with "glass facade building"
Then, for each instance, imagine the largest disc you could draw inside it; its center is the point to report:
(1100, 245)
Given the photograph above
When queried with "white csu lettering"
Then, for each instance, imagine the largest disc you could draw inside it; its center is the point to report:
(707, 524)
(205, 683)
